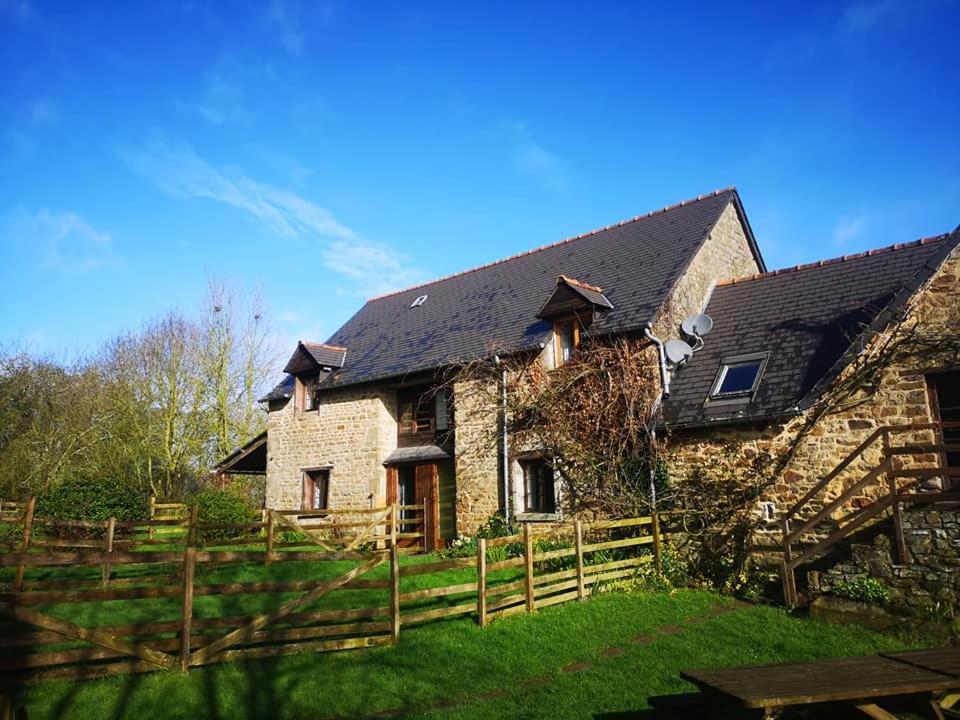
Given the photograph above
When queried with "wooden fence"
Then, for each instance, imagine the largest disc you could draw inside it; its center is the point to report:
(371, 594)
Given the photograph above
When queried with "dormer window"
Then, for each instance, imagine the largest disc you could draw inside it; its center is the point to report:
(419, 301)
(738, 377)
(566, 335)
(306, 393)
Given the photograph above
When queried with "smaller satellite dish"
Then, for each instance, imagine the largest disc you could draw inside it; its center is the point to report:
(697, 326)
(677, 352)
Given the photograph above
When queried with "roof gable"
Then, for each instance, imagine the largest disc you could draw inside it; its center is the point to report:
(572, 296)
(494, 308)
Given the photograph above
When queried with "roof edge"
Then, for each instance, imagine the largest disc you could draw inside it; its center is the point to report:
(566, 240)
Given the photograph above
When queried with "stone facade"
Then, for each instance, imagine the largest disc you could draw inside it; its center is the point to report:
(930, 580)
(477, 462)
(352, 431)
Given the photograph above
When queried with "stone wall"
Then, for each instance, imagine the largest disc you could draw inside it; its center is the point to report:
(477, 462)
(931, 578)
(819, 443)
(725, 254)
(353, 430)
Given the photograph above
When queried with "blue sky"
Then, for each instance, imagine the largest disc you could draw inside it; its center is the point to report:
(324, 152)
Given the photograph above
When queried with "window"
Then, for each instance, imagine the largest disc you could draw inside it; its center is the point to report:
(539, 487)
(316, 488)
(738, 377)
(416, 411)
(768, 511)
(567, 339)
(306, 393)
(419, 301)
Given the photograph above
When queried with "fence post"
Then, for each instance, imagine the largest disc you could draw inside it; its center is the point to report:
(186, 613)
(27, 529)
(152, 517)
(903, 555)
(578, 545)
(482, 581)
(108, 546)
(394, 577)
(192, 531)
(528, 562)
(271, 530)
(657, 551)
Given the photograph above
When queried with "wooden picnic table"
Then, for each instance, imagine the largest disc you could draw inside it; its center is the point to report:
(862, 682)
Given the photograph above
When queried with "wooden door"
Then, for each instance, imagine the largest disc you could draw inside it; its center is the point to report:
(427, 493)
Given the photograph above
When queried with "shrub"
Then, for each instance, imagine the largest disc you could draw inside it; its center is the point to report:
(862, 589)
(222, 507)
(86, 499)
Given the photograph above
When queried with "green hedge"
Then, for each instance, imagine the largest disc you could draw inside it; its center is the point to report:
(222, 507)
(86, 499)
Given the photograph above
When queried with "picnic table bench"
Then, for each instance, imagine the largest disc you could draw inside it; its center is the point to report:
(922, 679)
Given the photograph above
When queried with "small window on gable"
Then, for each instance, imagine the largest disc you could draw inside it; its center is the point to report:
(738, 377)
(306, 393)
(419, 301)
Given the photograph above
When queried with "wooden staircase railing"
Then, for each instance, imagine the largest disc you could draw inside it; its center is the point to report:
(888, 491)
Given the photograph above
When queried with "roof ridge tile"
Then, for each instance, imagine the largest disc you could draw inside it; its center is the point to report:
(834, 261)
(566, 240)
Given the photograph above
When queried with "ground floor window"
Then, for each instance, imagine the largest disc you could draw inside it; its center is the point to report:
(316, 489)
(539, 486)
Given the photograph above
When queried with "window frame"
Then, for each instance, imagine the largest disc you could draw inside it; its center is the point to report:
(308, 478)
(738, 396)
(525, 465)
(573, 323)
(306, 394)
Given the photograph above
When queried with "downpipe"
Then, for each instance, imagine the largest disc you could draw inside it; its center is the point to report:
(505, 455)
(655, 411)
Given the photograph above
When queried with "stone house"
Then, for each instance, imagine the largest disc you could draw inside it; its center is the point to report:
(366, 418)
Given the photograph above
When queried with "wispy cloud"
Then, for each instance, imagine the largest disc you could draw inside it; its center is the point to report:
(868, 14)
(65, 241)
(849, 228)
(535, 161)
(223, 104)
(285, 14)
(175, 168)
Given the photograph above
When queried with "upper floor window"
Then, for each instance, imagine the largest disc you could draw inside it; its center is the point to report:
(566, 339)
(539, 490)
(739, 377)
(424, 410)
(306, 393)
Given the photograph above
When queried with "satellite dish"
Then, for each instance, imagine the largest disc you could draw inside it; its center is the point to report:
(677, 352)
(697, 326)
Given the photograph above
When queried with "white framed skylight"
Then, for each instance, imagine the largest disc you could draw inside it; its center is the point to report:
(419, 301)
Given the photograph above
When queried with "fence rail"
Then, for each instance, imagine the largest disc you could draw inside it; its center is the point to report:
(373, 593)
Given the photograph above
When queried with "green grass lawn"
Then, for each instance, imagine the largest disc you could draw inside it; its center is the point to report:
(513, 668)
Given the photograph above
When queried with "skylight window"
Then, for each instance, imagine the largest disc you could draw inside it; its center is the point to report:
(419, 301)
(738, 377)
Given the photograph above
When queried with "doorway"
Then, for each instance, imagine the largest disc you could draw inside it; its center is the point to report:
(416, 484)
(945, 402)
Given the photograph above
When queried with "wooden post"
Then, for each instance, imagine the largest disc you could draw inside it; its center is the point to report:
(903, 555)
(25, 545)
(789, 580)
(394, 577)
(186, 613)
(657, 550)
(482, 581)
(528, 562)
(151, 518)
(192, 530)
(271, 532)
(108, 546)
(578, 546)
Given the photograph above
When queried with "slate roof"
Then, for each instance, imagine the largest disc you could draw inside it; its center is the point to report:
(808, 318)
(493, 308)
